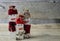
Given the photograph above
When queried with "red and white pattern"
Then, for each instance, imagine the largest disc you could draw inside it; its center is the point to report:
(12, 18)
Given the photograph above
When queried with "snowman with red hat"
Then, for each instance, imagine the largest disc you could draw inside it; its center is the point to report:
(20, 27)
(12, 12)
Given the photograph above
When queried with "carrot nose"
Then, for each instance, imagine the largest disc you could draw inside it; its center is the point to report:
(20, 28)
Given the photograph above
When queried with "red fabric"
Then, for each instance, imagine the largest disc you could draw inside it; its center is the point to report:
(27, 28)
(19, 21)
(15, 12)
(11, 11)
(12, 26)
